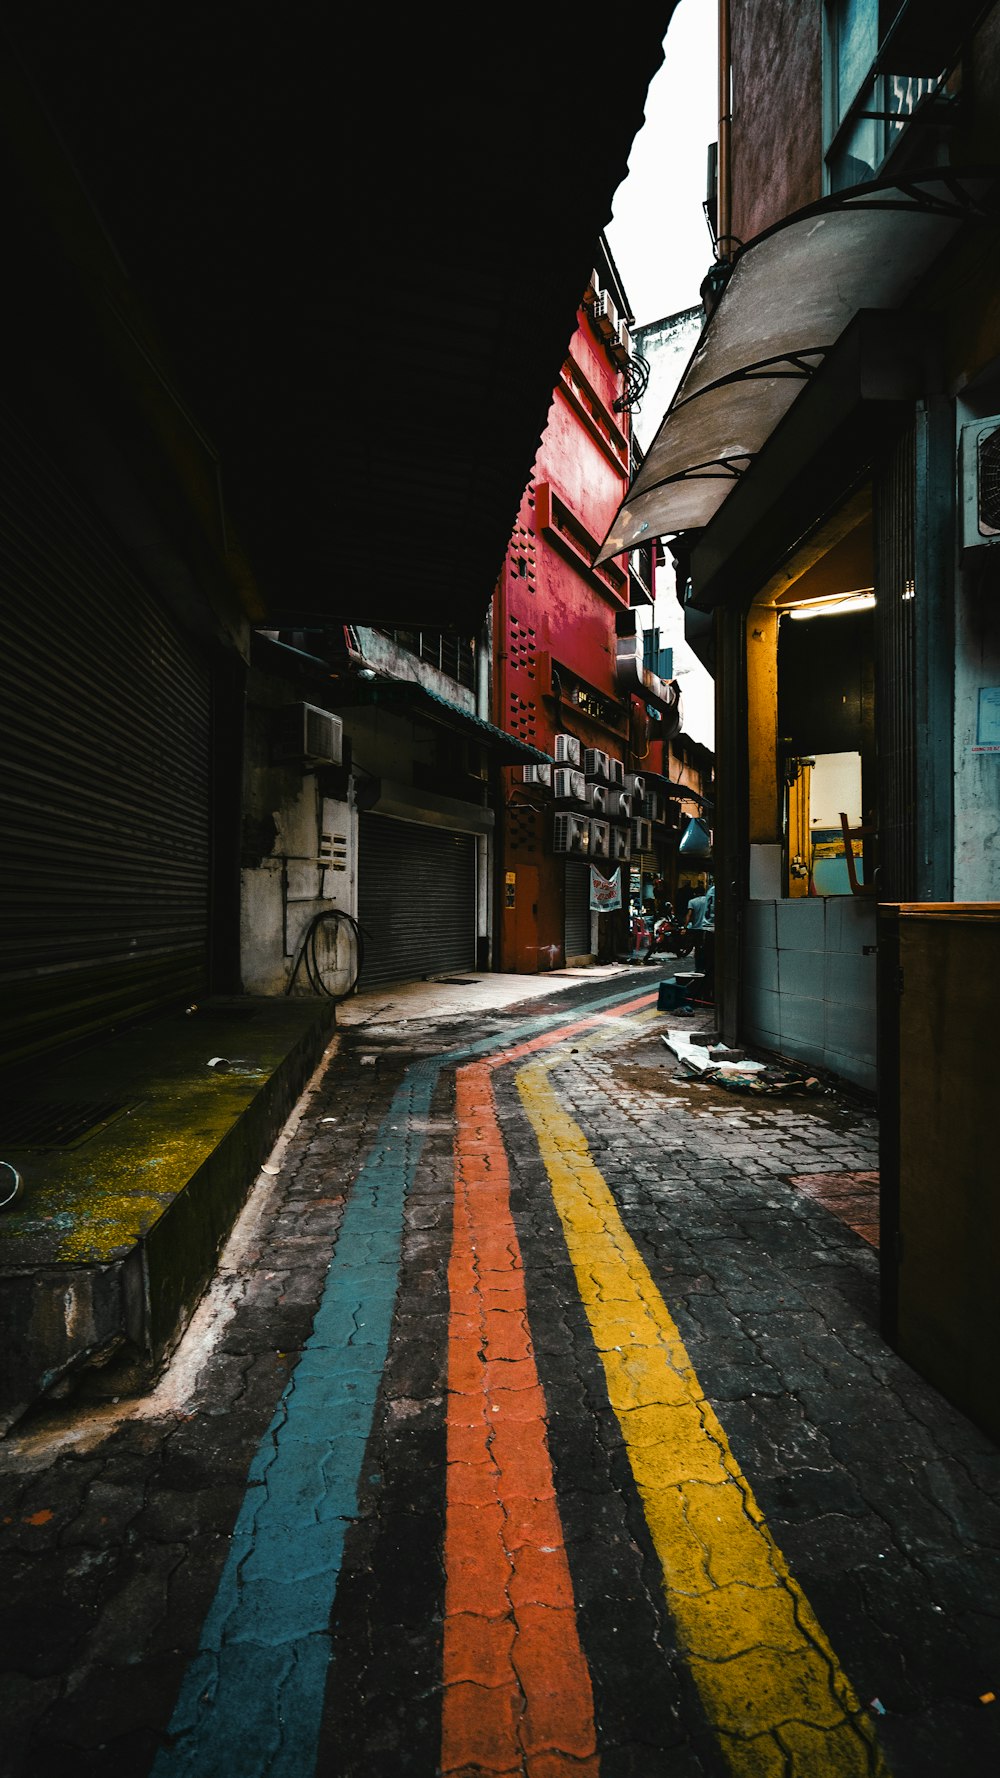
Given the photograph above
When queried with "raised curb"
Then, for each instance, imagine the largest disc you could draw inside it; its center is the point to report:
(116, 1236)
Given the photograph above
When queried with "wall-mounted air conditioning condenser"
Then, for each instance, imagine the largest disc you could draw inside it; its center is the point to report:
(571, 833)
(303, 734)
(569, 785)
(979, 482)
(600, 839)
(568, 750)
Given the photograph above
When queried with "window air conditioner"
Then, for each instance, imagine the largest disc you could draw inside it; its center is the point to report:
(596, 798)
(540, 774)
(307, 735)
(620, 805)
(616, 771)
(569, 784)
(605, 316)
(642, 836)
(620, 844)
(595, 763)
(571, 833)
(635, 784)
(979, 478)
(621, 346)
(568, 750)
(600, 839)
(654, 805)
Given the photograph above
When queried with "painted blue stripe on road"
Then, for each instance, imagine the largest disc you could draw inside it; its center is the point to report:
(252, 1700)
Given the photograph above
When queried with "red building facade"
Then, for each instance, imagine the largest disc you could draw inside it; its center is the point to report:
(570, 677)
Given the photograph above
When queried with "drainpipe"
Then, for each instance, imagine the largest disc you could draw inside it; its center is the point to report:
(725, 218)
(716, 278)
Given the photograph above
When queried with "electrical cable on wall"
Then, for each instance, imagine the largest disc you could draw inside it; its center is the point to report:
(321, 953)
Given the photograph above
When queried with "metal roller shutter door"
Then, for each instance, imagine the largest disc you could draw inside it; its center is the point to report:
(105, 777)
(576, 935)
(416, 900)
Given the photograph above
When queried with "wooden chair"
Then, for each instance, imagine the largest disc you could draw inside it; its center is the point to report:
(850, 835)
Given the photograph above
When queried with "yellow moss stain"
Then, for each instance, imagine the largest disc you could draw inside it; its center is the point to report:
(768, 1678)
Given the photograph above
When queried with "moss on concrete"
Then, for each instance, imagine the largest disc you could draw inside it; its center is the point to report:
(155, 1190)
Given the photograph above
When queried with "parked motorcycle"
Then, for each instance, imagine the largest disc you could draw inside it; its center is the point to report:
(670, 940)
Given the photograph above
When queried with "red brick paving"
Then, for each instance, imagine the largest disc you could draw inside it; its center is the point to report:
(853, 1197)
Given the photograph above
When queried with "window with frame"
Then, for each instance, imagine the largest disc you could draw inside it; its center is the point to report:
(867, 108)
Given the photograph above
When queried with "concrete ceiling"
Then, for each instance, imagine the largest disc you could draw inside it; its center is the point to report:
(363, 238)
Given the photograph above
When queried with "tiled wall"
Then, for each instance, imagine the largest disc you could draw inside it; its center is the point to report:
(808, 985)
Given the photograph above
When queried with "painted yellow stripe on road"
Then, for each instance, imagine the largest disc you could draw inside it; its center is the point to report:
(770, 1683)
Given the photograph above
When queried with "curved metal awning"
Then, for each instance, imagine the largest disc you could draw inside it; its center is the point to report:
(791, 293)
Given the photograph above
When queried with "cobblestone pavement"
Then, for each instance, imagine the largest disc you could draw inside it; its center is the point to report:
(538, 1423)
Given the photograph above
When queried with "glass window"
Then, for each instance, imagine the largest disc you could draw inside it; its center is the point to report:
(866, 112)
(853, 28)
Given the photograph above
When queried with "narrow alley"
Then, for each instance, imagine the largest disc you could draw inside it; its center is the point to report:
(537, 1422)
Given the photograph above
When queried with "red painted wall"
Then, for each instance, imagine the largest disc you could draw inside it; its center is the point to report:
(549, 607)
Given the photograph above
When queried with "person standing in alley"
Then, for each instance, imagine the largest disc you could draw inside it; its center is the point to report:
(700, 919)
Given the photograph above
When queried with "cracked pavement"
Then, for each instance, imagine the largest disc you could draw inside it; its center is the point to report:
(538, 1422)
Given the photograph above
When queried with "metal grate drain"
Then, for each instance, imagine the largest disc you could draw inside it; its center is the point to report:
(59, 1124)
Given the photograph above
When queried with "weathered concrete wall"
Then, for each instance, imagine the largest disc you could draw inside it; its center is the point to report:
(777, 136)
(288, 827)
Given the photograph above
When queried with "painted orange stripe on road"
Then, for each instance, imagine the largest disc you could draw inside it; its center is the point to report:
(549, 1038)
(517, 1690)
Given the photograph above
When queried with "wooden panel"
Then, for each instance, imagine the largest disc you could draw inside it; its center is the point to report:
(948, 1172)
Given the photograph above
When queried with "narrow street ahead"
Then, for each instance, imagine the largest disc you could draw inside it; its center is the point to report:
(538, 1422)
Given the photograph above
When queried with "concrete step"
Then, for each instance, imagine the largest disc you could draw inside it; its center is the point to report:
(136, 1156)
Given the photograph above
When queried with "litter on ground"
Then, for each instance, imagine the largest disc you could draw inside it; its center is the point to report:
(741, 1075)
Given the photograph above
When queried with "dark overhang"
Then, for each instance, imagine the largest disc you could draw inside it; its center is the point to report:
(792, 294)
(407, 696)
(330, 245)
(811, 463)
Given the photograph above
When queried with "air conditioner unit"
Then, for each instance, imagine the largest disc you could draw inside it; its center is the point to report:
(621, 346)
(568, 750)
(596, 798)
(306, 735)
(620, 844)
(979, 476)
(654, 805)
(600, 839)
(635, 784)
(595, 763)
(571, 833)
(540, 774)
(642, 835)
(620, 805)
(569, 785)
(605, 316)
(616, 771)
